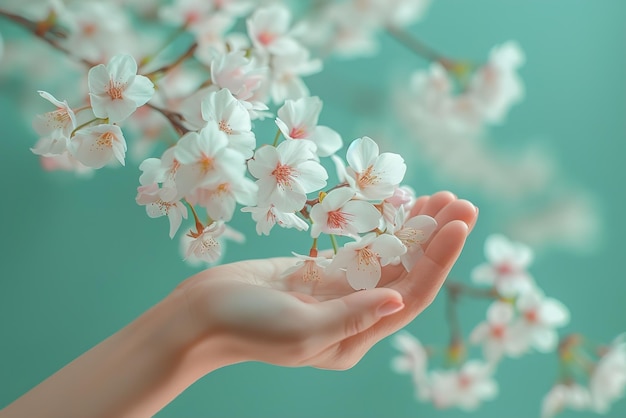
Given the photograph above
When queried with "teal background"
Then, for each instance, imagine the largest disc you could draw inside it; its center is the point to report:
(79, 259)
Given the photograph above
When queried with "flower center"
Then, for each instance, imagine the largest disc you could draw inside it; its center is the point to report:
(464, 381)
(283, 174)
(410, 236)
(497, 331)
(225, 127)
(337, 219)
(366, 257)
(115, 90)
(105, 140)
(206, 163)
(531, 316)
(311, 271)
(298, 132)
(367, 178)
(266, 38)
(61, 116)
(505, 269)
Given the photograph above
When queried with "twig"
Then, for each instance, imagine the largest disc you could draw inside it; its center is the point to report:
(175, 119)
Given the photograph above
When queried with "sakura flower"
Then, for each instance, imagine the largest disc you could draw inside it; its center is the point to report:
(204, 157)
(286, 174)
(506, 266)
(287, 71)
(298, 120)
(413, 233)
(189, 13)
(151, 196)
(219, 198)
(539, 316)
(96, 146)
(268, 216)
(413, 359)
(311, 267)
(232, 118)
(496, 334)
(565, 395)
(59, 122)
(237, 73)
(362, 259)
(403, 198)
(374, 176)
(465, 388)
(229, 234)
(205, 245)
(116, 90)
(607, 382)
(338, 214)
(163, 170)
(268, 28)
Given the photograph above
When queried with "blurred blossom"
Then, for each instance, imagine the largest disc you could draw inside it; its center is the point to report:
(607, 382)
(565, 395)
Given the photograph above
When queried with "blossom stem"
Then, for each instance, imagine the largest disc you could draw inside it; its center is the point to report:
(276, 138)
(89, 122)
(190, 51)
(80, 109)
(333, 241)
(419, 47)
(175, 119)
(457, 288)
(453, 316)
(148, 58)
(36, 29)
(199, 225)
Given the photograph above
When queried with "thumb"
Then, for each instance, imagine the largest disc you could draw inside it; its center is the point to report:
(349, 315)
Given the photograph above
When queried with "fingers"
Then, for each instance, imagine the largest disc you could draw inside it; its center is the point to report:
(434, 204)
(344, 317)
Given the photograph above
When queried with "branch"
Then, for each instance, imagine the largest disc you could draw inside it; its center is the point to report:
(420, 48)
(175, 119)
(190, 51)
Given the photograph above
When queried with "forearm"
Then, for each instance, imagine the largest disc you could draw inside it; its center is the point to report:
(133, 373)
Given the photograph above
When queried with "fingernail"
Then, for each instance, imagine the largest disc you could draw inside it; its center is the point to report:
(476, 208)
(389, 308)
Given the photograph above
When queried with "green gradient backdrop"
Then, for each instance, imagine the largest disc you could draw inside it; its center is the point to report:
(80, 259)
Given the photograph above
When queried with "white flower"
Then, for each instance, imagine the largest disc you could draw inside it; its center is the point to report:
(465, 388)
(219, 199)
(97, 146)
(205, 245)
(286, 72)
(608, 379)
(190, 13)
(373, 176)
(340, 215)
(413, 233)
(268, 28)
(539, 316)
(237, 73)
(312, 268)
(229, 234)
(116, 90)
(268, 216)
(286, 174)
(232, 118)
(413, 359)
(506, 266)
(565, 395)
(298, 120)
(205, 158)
(156, 206)
(362, 259)
(496, 334)
(59, 122)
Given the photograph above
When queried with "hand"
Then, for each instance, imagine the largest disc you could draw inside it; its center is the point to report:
(258, 316)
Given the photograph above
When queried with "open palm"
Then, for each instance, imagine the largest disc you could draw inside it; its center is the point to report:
(258, 315)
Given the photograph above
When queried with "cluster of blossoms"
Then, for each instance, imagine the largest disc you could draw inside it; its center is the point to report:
(207, 167)
(520, 318)
(226, 82)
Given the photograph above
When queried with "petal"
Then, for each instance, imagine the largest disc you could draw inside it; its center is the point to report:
(500, 313)
(264, 162)
(98, 79)
(327, 140)
(311, 176)
(365, 216)
(390, 168)
(140, 90)
(122, 68)
(364, 273)
(362, 153)
(337, 198)
(388, 246)
(553, 313)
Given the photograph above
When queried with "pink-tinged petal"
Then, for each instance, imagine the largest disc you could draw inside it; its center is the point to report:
(423, 223)
(484, 274)
(500, 313)
(118, 110)
(98, 80)
(480, 333)
(412, 255)
(175, 218)
(388, 247)
(264, 162)
(311, 176)
(391, 168)
(245, 191)
(221, 206)
(284, 129)
(140, 90)
(553, 313)
(365, 216)
(365, 272)
(362, 153)
(545, 339)
(327, 140)
(523, 256)
(122, 68)
(337, 198)
(187, 150)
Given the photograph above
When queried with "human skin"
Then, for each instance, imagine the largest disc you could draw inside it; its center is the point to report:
(246, 311)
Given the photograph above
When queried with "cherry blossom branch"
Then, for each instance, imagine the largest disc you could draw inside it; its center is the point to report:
(420, 48)
(175, 119)
(148, 58)
(189, 53)
(460, 289)
(41, 31)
